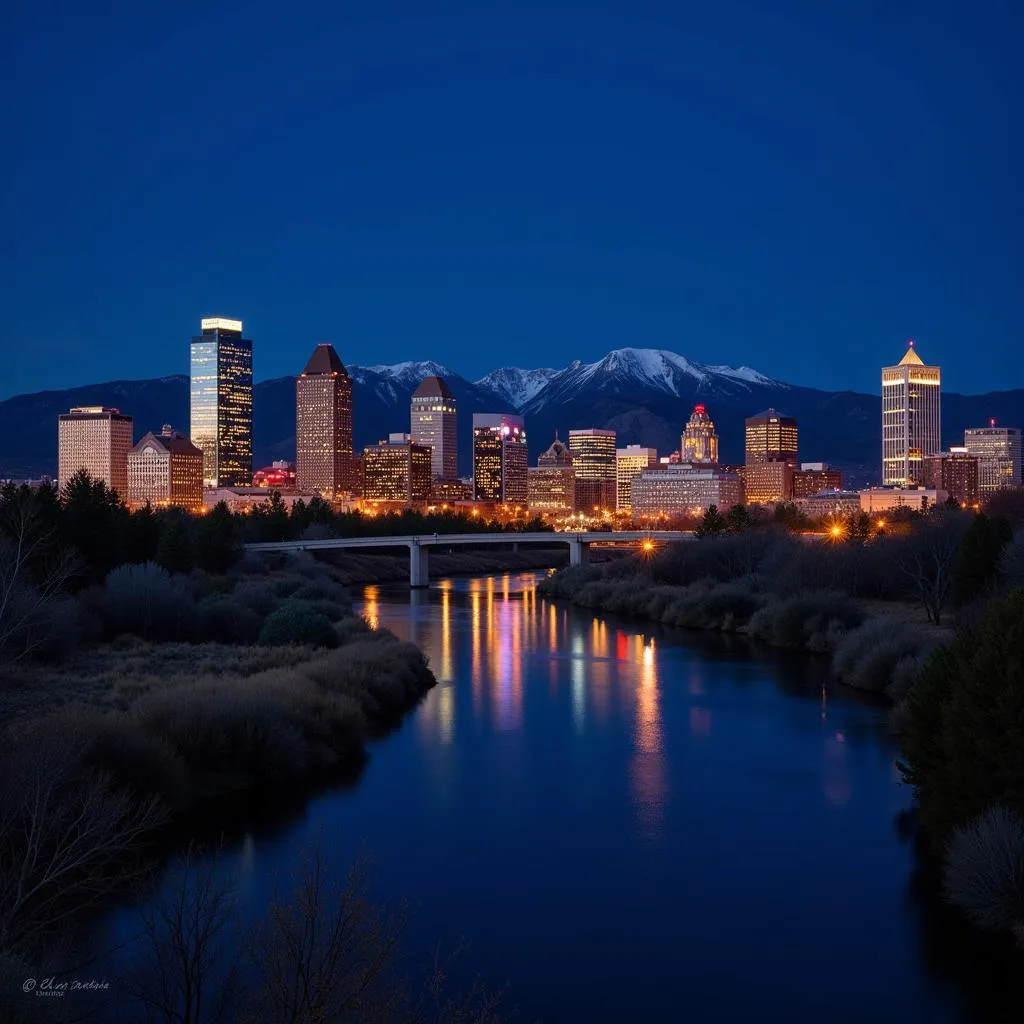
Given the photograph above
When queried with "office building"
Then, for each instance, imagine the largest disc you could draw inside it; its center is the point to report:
(911, 418)
(813, 478)
(771, 437)
(630, 461)
(955, 472)
(998, 451)
(165, 469)
(97, 439)
(551, 484)
(593, 459)
(323, 426)
(397, 470)
(683, 489)
(221, 402)
(432, 422)
(769, 483)
(830, 504)
(889, 499)
(699, 442)
(499, 458)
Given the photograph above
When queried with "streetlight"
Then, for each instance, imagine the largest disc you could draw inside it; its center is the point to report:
(836, 532)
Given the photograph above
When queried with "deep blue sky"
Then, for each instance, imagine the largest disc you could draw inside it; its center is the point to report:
(794, 186)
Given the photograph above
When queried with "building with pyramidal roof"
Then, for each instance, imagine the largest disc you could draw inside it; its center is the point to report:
(911, 418)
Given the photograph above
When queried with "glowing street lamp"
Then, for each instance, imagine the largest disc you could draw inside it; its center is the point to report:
(836, 532)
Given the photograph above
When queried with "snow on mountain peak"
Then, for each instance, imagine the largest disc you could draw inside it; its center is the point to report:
(517, 387)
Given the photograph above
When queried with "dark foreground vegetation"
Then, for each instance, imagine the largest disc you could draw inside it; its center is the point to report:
(134, 693)
(927, 610)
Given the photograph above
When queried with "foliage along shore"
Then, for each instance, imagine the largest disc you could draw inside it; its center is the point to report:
(957, 686)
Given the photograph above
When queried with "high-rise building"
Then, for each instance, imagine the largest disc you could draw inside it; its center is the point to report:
(396, 470)
(813, 478)
(551, 484)
(593, 458)
(998, 451)
(323, 425)
(630, 461)
(769, 482)
(699, 442)
(221, 402)
(955, 472)
(165, 469)
(771, 437)
(499, 458)
(96, 439)
(433, 423)
(683, 489)
(911, 418)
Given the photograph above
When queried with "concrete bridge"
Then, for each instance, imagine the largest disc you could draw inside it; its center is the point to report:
(419, 545)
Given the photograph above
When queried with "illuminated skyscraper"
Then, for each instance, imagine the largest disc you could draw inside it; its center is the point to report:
(699, 442)
(396, 470)
(96, 439)
(629, 462)
(771, 437)
(323, 425)
(998, 451)
(432, 419)
(166, 469)
(593, 458)
(552, 482)
(911, 418)
(221, 400)
(499, 458)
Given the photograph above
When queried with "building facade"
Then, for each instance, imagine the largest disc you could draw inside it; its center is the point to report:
(813, 478)
(829, 504)
(551, 484)
(323, 426)
(433, 422)
(955, 472)
(397, 470)
(630, 461)
(911, 418)
(97, 439)
(221, 402)
(165, 469)
(278, 476)
(683, 489)
(887, 499)
(499, 458)
(699, 442)
(769, 483)
(771, 437)
(998, 451)
(593, 459)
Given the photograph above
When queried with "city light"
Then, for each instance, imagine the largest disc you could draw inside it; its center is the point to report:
(836, 531)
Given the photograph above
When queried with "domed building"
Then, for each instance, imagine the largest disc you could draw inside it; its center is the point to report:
(699, 442)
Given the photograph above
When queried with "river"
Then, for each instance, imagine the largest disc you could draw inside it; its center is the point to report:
(629, 824)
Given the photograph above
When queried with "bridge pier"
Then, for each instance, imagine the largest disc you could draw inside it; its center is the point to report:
(419, 565)
(579, 553)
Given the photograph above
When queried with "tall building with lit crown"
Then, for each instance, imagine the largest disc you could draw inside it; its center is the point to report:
(630, 461)
(593, 457)
(499, 458)
(97, 439)
(911, 418)
(323, 425)
(221, 402)
(551, 484)
(397, 470)
(166, 469)
(998, 451)
(699, 442)
(432, 422)
(771, 437)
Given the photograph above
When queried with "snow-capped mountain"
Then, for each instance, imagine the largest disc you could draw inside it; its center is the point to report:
(515, 386)
(626, 371)
(390, 383)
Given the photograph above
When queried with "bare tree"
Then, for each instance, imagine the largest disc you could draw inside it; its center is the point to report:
(187, 968)
(24, 599)
(328, 954)
(476, 1005)
(926, 560)
(68, 839)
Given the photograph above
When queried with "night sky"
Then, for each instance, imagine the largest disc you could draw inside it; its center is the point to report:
(793, 186)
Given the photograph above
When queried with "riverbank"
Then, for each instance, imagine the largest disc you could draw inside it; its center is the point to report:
(194, 690)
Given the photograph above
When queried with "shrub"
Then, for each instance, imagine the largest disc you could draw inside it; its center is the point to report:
(1011, 562)
(146, 601)
(257, 595)
(226, 620)
(813, 620)
(291, 625)
(963, 745)
(983, 873)
(869, 657)
(351, 628)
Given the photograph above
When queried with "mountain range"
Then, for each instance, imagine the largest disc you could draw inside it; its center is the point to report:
(646, 395)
